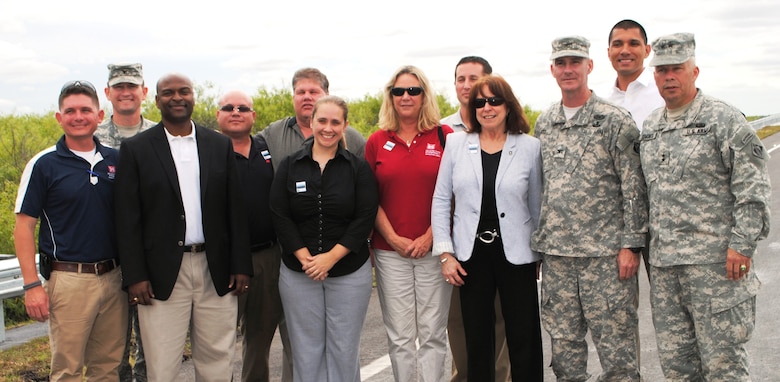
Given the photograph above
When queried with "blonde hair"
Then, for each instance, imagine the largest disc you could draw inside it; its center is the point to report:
(429, 113)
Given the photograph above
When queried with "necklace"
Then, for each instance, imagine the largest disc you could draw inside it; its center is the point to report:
(408, 141)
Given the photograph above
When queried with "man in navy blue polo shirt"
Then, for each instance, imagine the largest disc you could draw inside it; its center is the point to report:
(69, 186)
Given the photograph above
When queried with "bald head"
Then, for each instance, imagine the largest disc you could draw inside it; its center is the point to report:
(235, 114)
(176, 99)
(172, 76)
(233, 95)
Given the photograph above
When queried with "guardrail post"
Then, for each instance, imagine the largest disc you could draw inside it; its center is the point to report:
(2, 321)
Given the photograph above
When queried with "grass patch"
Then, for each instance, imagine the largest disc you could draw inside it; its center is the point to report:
(27, 362)
(31, 362)
(767, 131)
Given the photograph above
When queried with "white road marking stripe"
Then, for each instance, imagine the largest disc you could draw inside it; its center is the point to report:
(375, 367)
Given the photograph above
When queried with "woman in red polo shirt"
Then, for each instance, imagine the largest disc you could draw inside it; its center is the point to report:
(404, 155)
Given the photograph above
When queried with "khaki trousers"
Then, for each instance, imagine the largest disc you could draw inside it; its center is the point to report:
(415, 302)
(194, 305)
(86, 312)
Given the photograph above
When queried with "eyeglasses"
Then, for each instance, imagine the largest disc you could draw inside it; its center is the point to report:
(493, 101)
(70, 85)
(413, 91)
(230, 108)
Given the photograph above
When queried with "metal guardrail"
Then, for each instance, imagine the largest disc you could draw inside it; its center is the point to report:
(11, 283)
(772, 120)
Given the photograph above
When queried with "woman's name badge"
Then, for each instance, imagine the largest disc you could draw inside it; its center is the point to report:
(389, 146)
(300, 186)
(473, 148)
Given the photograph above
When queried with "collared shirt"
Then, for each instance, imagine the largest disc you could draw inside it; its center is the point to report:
(640, 98)
(256, 173)
(406, 176)
(455, 121)
(74, 201)
(184, 150)
(111, 135)
(318, 210)
(284, 138)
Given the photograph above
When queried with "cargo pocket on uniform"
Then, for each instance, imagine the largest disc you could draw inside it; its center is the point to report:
(733, 315)
(546, 312)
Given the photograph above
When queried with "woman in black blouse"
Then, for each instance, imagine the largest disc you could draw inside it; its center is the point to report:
(324, 202)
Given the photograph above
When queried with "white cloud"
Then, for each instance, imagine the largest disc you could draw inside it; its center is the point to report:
(249, 44)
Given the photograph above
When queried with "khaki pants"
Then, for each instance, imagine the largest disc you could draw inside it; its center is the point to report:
(415, 302)
(86, 312)
(195, 302)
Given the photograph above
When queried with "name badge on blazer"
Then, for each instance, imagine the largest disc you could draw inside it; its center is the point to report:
(473, 148)
(388, 146)
(300, 186)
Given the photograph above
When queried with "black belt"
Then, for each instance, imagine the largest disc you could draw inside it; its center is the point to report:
(98, 268)
(200, 247)
(262, 246)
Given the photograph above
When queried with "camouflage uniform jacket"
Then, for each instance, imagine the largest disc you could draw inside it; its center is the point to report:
(707, 183)
(594, 200)
(108, 134)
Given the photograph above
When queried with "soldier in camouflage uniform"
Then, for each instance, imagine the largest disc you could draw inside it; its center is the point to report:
(126, 91)
(708, 192)
(593, 223)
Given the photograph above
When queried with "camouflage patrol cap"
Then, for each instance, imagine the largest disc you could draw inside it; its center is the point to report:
(673, 49)
(129, 73)
(576, 46)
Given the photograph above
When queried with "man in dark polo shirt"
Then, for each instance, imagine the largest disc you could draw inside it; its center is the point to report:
(260, 309)
(70, 187)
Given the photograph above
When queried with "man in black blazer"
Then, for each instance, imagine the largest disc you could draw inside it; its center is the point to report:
(183, 239)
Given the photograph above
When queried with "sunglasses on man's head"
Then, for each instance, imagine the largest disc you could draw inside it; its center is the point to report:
(493, 101)
(78, 83)
(413, 91)
(230, 108)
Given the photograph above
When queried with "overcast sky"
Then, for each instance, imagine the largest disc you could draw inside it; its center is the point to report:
(359, 44)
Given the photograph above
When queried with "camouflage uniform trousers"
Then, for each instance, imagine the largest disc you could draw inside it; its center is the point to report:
(586, 293)
(702, 321)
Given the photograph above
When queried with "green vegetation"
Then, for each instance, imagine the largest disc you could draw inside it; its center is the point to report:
(767, 131)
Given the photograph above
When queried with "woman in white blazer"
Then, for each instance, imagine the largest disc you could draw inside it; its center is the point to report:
(485, 206)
